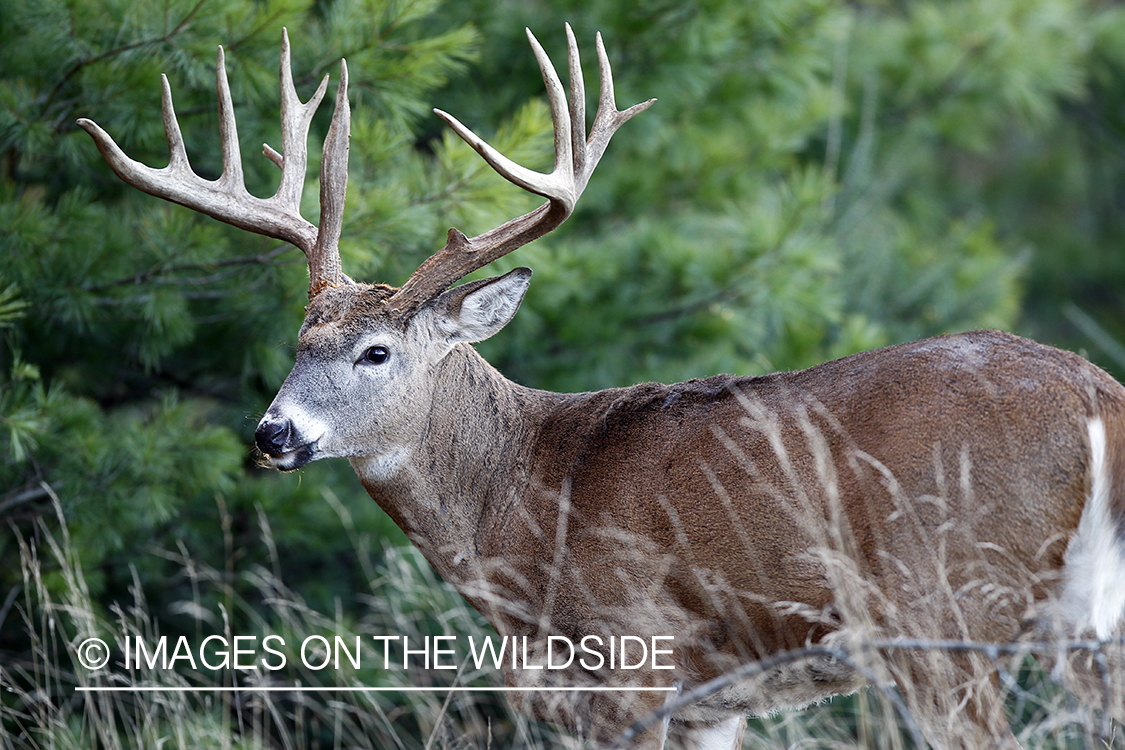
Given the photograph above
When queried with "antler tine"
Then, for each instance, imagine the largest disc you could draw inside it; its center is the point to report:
(575, 159)
(325, 268)
(232, 178)
(577, 101)
(226, 198)
(295, 121)
(608, 119)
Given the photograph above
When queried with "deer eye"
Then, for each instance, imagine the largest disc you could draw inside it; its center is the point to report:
(376, 355)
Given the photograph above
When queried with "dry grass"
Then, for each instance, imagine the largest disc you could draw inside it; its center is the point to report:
(44, 705)
(41, 707)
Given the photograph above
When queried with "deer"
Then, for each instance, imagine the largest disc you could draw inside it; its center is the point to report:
(968, 487)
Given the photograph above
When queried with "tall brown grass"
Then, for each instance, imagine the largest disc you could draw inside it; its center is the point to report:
(43, 704)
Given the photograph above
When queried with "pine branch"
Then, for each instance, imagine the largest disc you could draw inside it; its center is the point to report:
(45, 103)
(163, 274)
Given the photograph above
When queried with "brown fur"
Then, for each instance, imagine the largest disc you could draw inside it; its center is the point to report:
(937, 482)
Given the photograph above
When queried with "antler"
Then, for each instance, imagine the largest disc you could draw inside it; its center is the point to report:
(575, 159)
(227, 199)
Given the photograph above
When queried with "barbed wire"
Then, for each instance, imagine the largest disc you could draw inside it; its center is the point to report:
(991, 650)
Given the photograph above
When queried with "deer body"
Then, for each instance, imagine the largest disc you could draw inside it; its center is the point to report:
(948, 476)
(962, 488)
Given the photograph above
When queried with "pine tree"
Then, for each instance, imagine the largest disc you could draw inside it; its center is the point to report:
(815, 179)
(139, 337)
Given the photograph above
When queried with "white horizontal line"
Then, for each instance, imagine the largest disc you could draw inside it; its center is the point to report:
(150, 689)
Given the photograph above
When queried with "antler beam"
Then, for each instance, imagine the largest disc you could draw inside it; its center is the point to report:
(576, 156)
(227, 199)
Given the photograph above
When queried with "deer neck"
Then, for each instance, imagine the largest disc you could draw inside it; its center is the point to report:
(472, 457)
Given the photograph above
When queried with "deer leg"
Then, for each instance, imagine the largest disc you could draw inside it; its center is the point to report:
(721, 735)
(1097, 679)
(607, 717)
(956, 701)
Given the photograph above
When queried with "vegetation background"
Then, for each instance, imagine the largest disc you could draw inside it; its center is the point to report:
(817, 178)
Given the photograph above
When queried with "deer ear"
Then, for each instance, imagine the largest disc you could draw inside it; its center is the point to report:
(474, 311)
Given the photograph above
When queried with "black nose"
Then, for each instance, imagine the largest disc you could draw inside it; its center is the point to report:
(272, 437)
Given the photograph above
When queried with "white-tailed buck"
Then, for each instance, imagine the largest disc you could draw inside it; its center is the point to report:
(968, 487)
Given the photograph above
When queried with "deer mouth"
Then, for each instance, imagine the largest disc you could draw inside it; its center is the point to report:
(294, 459)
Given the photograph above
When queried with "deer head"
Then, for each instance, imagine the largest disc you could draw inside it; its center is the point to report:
(367, 349)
